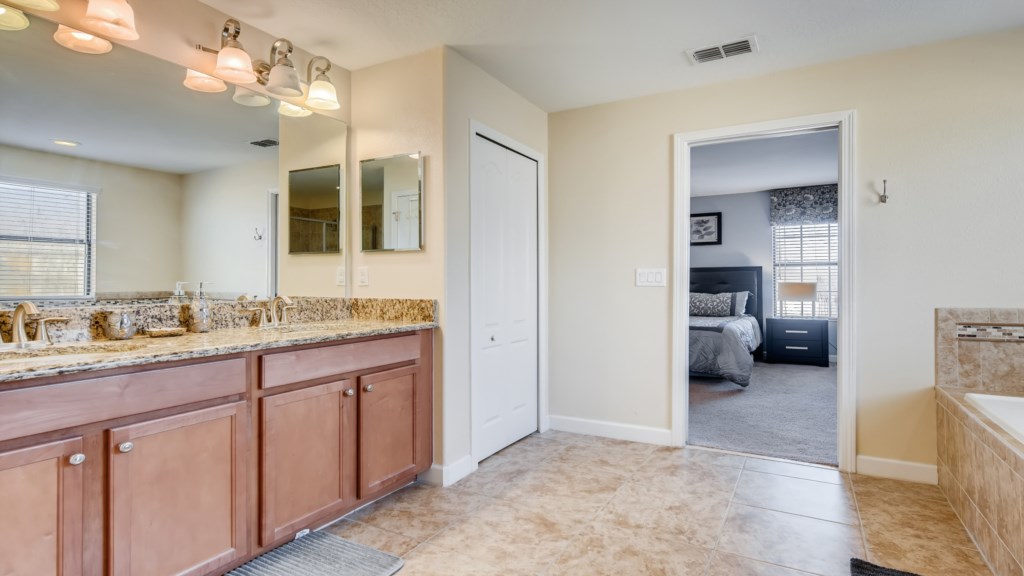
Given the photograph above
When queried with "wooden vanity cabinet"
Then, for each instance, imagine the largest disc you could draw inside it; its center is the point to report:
(41, 501)
(390, 404)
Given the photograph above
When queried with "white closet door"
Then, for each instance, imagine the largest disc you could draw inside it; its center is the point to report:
(503, 296)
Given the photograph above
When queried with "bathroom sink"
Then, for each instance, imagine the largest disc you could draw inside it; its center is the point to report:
(70, 348)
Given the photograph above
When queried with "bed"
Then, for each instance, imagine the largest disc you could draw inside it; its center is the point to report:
(725, 342)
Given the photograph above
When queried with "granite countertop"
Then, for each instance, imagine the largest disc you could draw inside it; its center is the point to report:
(107, 354)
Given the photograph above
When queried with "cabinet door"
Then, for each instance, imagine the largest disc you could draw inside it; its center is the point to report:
(388, 417)
(41, 510)
(309, 451)
(178, 493)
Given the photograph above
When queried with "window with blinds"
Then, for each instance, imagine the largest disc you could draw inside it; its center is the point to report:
(47, 241)
(807, 253)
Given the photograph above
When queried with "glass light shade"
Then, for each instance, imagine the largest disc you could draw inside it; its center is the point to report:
(114, 18)
(284, 81)
(289, 109)
(81, 41)
(12, 19)
(322, 95)
(234, 65)
(43, 5)
(247, 97)
(202, 82)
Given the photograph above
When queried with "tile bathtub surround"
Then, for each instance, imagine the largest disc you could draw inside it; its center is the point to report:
(981, 472)
(565, 504)
(977, 362)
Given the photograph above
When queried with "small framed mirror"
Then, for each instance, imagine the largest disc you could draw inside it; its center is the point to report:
(314, 210)
(392, 203)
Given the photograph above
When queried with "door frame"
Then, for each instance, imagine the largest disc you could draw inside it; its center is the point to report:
(543, 420)
(846, 397)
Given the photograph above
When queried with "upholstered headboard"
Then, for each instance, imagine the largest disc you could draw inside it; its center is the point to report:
(732, 279)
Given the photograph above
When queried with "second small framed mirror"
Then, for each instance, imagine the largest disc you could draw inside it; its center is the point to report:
(392, 203)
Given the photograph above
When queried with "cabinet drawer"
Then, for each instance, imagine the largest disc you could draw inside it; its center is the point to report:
(29, 411)
(301, 365)
(795, 331)
(797, 348)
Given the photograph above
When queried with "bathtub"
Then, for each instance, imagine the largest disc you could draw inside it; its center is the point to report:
(1007, 411)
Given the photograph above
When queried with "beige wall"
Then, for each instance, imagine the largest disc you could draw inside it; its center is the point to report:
(940, 122)
(470, 94)
(138, 216)
(220, 211)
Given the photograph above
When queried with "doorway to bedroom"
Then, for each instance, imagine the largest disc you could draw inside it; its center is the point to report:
(763, 294)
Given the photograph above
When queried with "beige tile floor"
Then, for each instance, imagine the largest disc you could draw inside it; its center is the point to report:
(558, 503)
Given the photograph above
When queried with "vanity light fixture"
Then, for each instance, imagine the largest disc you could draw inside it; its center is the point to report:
(233, 64)
(247, 97)
(322, 94)
(81, 41)
(293, 111)
(114, 18)
(280, 78)
(41, 5)
(203, 82)
(12, 19)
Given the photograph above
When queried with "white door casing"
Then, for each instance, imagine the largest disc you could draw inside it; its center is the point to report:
(503, 296)
(405, 220)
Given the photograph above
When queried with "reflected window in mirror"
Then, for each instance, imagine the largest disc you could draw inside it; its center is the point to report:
(392, 203)
(314, 211)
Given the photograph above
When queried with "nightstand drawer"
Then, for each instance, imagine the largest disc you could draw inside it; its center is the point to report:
(795, 330)
(797, 340)
(811, 349)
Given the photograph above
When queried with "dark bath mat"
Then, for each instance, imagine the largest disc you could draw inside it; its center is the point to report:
(860, 567)
(321, 554)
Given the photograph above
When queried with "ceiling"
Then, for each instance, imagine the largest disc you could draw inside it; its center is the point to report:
(766, 163)
(563, 54)
(123, 107)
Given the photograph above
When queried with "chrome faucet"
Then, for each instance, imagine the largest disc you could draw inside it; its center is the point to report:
(18, 336)
(286, 304)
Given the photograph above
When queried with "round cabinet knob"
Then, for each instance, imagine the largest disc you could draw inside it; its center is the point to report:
(350, 392)
(368, 388)
(125, 447)
(76, 459)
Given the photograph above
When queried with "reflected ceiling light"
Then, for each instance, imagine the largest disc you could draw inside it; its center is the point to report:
(203, 82)
(12, 19)
(68, 143)
(322, 94)
(289, 109)
(81, 41)
(114, 18)
(280, 78)
(233, 64)
(42, 5)
(247, 97)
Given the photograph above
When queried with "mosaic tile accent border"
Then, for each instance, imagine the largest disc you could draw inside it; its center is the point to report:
(991, 332)
(973, 362)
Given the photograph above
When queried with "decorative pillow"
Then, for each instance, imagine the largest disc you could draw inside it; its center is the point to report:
(724, 304)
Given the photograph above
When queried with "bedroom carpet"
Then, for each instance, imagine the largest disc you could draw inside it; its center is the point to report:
(788, 411)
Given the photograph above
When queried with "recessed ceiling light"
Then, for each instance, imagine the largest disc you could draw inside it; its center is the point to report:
(12, 19)
(81, 41)
(68, 143)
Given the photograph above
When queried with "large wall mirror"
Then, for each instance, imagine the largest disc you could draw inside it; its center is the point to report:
(315, 215)
(392, 203)
(188, 180)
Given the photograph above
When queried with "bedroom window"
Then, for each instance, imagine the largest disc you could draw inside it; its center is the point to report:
(47, 241)
(807, 253)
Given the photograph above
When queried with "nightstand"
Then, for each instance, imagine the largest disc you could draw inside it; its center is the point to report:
(797, 341)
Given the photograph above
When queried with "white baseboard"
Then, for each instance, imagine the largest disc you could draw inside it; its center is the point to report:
(440, 475)
(616, 430)
(898, 469)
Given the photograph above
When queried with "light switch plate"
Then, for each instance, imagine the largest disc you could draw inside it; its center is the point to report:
(339, 276)
(651, 277)
(364, 275)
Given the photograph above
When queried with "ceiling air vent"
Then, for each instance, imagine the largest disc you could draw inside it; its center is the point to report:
(265, 143)
(711, 53)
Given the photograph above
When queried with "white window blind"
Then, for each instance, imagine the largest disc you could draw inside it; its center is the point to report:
(47, 241)
(807, 253)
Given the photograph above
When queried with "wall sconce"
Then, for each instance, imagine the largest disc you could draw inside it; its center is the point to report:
(322, 94)
(884, 196)
(113, 18)
(202, 82)
(81, 41)
(41, 5)
(280, 78)
(233, 64)
(12, 19)
(293, 111)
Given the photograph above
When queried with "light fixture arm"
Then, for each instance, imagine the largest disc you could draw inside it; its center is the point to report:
(281, 49)
(320, 70)
(230, 33)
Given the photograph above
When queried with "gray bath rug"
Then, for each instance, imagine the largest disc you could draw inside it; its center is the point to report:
(860, 567)
(321, 554)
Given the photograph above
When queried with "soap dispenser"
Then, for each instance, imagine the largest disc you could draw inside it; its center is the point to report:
(199, 311)
(179, 297)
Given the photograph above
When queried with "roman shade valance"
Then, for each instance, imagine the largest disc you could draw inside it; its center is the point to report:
(805, 205)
